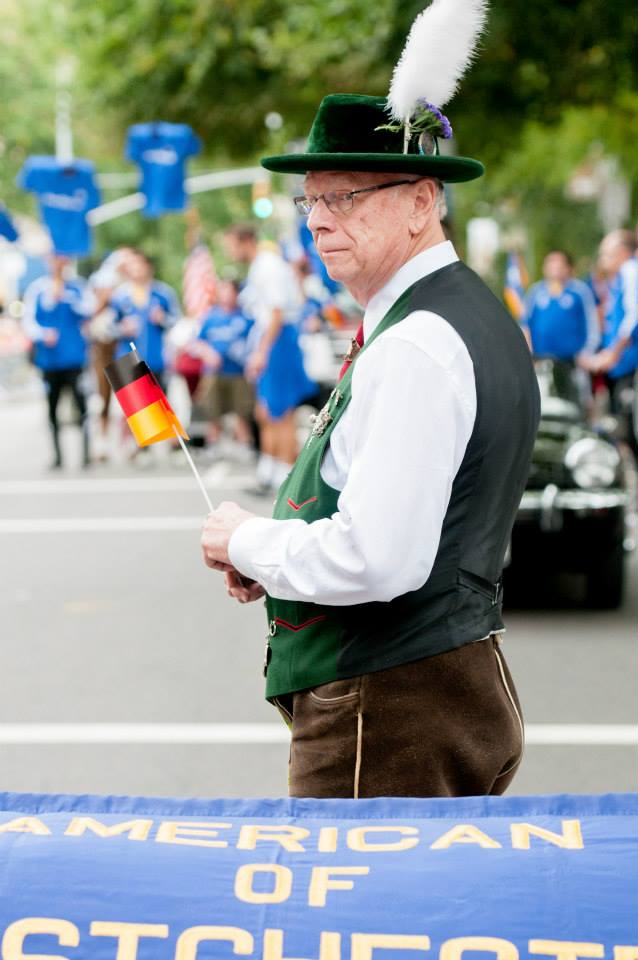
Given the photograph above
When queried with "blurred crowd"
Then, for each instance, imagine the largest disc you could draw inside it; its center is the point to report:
(249, 346)
(592, 324)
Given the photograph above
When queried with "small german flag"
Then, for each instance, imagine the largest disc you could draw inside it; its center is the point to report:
(144, 403)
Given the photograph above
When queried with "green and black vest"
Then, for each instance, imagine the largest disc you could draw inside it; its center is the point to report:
(461, 601)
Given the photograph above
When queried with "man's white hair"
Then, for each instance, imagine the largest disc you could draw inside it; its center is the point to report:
(441, 199)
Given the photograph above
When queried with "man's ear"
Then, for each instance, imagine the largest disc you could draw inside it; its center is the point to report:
(423, 205)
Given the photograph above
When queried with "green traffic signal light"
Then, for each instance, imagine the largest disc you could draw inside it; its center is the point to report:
(262, 207)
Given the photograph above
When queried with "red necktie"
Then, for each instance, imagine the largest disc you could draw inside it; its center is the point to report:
(355, 346)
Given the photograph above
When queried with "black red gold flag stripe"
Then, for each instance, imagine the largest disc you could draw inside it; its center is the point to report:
(143, 402)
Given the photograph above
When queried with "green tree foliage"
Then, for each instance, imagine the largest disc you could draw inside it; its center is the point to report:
(38, 38)
(554, 78)
(222, 65)
(27, 86)
(538, 59)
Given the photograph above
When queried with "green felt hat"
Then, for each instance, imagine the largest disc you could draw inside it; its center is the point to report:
(345, 136)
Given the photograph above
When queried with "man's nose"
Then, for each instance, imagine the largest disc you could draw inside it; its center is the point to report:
(320, 217)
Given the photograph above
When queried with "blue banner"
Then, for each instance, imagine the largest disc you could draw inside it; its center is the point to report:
(462, 879)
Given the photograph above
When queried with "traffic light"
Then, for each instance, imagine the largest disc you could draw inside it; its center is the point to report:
(262, 204)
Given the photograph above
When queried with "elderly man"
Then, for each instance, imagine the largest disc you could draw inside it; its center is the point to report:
(382, 565)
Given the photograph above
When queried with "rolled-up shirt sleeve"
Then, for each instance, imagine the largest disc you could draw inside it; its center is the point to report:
(410, 419)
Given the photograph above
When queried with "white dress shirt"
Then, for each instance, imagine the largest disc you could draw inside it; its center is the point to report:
(271, 284)
(393, 455)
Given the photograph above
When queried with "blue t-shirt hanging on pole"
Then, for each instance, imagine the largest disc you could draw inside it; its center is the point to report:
(7, 228)
(161, 150)
(66, 192)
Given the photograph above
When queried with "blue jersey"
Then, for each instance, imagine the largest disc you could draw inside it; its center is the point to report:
(7, 228)
(621, 318)
(561, 324)
(65, 315)
(66, 192)
(149, 338)
(161, 150)
(226, 331)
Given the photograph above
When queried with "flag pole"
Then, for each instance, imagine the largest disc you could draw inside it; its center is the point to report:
(184, 448)
(193, 468)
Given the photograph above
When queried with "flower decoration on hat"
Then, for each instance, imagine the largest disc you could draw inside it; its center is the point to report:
(440, 47)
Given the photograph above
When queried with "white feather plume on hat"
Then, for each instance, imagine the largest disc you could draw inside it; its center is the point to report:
(440, 46)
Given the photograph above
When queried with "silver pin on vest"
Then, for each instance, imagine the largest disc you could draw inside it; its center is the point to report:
(321, 421)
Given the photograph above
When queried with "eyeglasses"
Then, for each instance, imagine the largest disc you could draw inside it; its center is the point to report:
(342, 201)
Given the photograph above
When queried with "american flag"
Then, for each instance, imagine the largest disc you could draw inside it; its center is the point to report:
(200, 281)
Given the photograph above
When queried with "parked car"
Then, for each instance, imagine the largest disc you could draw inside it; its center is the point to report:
(576, 510)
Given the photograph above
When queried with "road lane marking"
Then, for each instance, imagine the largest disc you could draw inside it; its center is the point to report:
(95, 485)
(102, 524)
(147, 733)
(536, 734)
(581, 734)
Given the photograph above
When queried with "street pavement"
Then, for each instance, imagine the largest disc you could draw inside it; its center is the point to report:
(112, 626)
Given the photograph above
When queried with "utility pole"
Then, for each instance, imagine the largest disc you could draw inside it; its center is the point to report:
(64, 72)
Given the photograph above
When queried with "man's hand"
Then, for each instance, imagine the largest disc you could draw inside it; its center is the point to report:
(241, 588)
(50, 336)
(219, 527)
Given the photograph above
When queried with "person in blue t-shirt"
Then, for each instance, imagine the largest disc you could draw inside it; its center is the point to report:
(223, 345)
(66, 192)
(145, 308)
(560, 318)
(161, 150)
(56, 309)
(618, 358)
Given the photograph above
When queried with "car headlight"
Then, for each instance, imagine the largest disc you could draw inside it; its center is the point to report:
(593, 463)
